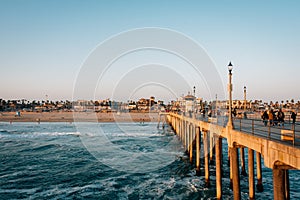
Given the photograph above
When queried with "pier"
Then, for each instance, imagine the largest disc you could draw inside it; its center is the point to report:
(279, 147)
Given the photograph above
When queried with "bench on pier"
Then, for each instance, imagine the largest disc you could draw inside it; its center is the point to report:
(212, 120)
(287, 135)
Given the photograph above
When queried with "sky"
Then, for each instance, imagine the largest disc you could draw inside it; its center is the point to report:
(45, 44)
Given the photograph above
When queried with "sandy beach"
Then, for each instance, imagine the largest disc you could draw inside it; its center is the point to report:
(77, 117)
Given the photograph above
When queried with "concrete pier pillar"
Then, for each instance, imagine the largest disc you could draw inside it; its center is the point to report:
(228, 153)
(188, 130)
(176, 126)
(259, 185)
(230, 169)
(187, 137)
(287, 184)
(243, 168)
(184, 135)
(251, 174)
(211, 147)
(234, 158)
(198, 150)
(279, 184)
(206, 158)
(191, 130)
(218, 149)
(182, 131)
(179, 127)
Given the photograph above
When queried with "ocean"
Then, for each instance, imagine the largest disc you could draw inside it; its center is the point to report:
(107, 161)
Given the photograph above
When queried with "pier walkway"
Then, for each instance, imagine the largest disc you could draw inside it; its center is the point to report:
(278, 146)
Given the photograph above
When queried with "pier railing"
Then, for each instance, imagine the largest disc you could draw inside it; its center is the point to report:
(286, 133)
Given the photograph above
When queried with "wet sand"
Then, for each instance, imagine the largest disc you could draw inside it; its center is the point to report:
(78, 117)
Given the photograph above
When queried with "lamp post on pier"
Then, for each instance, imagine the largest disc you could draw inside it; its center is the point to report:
(245, 99)
(234, 156)
(245, 103)
(194, 90)
(230, 123)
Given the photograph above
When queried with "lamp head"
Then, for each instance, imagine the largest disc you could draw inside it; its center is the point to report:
(230, 66)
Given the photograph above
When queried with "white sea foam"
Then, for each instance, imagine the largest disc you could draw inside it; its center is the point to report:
(55, 133)
(139, 134)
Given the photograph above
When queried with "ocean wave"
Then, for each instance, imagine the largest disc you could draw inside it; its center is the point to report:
(15, 192)
(136, 135)
(36, 134)
(56, 133)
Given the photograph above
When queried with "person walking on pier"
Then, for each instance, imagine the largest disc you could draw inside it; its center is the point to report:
(265, 117)
(293, 116)
(280, 117)
(234, 112)
(203, 113)
(271, 117)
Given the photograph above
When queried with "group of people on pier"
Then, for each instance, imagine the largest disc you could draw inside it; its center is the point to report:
(276, 118)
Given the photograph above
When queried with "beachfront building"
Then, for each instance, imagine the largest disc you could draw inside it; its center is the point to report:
(83, 105)
(143, 104)
(131, 105)
(237, 104)
(188, 103)
(150, 104)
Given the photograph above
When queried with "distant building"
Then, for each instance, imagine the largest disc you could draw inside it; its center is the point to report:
(189, 103)
(83, 105)
(143, 104)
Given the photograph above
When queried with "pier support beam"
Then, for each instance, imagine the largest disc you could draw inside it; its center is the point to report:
(190, 145)
(211, 147)
(230, 169)
(218, 149)
(251, 174)
(176, 126)
(198, 150)
(243, 168)
(279, 184)
(182, 131)
(234, 158)
(259, 185)
(228, 159)
(184, 135)
(179, 128)
(287, 184)
(206, 158)
(187, 134)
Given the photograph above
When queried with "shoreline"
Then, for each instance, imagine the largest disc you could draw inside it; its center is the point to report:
(63, 116)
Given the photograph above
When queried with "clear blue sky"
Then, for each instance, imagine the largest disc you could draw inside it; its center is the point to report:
(44, 43)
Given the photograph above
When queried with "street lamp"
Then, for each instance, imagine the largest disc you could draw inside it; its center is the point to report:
(230, 123)
(245, 100)
(194, 91)
(194, 106)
